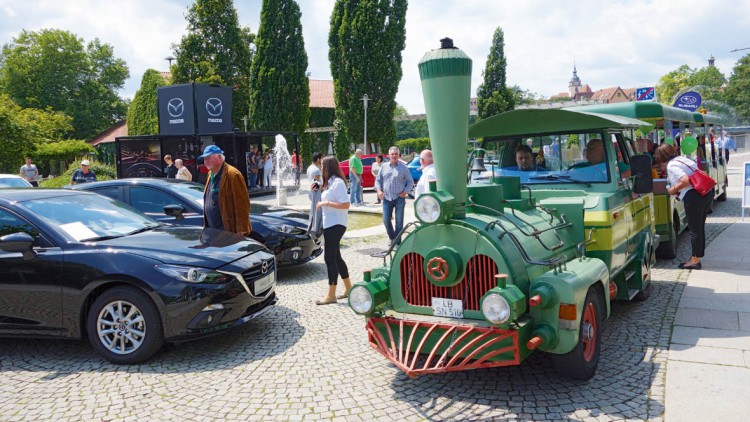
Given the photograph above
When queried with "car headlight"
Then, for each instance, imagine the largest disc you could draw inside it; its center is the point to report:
(193, 274)
(360, 300)
(495, 308)
(284, 228)
(428, 209)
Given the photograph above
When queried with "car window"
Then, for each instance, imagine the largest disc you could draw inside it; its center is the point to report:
(152, 200)
(10, 223)
(368, 161)
(114, 192)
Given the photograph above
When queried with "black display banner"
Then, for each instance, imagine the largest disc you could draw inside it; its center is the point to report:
(213, 109)
(176, 110)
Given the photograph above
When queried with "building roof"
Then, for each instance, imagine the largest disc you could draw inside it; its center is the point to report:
(109, 135)
(321, 94)
(611, 94)
(630, 93)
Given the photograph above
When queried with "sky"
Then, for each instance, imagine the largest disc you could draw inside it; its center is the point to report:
(626, 43)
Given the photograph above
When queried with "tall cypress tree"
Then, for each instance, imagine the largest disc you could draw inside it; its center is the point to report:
(216, 50)
(365, 44)
(279, 90)
(493, 96)
(143, 111)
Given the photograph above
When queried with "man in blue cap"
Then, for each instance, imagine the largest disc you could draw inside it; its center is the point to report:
(226, 203)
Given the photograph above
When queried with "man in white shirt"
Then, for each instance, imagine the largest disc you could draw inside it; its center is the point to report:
(428, 173)
(29, 172)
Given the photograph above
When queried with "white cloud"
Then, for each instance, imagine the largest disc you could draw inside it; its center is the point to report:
(626, 42)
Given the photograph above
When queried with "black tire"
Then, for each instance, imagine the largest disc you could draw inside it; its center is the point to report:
(646, 262)
(581, 362)
(668, 250)
(137, 341)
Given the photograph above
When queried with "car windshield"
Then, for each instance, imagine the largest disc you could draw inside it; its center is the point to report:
(565, 158)
(89, 217)
(189, 191)
(14, 182)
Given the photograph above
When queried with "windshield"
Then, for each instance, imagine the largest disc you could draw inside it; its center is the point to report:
(190, 191)
(14, 182)
(89, 217)
(564, 158)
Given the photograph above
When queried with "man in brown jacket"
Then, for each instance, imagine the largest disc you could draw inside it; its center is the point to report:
(226, 203)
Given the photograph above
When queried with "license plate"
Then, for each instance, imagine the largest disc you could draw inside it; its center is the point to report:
(263, 284)
(450, 308)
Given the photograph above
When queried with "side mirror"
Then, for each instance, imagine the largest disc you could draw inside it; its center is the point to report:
(640, 168)
(174, 210)
(18, 242)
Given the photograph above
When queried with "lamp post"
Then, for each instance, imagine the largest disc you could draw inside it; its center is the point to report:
(366, 99)
(169, 60)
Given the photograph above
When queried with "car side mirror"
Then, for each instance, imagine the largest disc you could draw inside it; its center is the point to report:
(174, 210)
(19, 242)
(640, 168)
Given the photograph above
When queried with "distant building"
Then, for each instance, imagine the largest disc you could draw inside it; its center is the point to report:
(613, 94)
(577, 91)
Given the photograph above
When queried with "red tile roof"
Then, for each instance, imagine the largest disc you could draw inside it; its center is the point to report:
(321, 94)
(109, 135)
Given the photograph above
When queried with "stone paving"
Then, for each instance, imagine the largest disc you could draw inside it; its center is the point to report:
(306, 362)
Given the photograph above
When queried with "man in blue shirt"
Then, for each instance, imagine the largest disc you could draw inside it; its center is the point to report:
(525, 160)
(393, 183)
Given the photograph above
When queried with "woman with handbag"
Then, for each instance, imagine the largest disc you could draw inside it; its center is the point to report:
(690, 186)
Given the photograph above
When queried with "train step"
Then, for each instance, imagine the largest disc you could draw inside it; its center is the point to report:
(632, 293)
(629, 274)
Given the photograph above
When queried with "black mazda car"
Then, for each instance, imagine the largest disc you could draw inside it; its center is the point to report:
(283, 231)
(75, 264)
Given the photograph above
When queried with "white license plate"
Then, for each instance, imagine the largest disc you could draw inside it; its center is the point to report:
(263, 284)
(450, 308)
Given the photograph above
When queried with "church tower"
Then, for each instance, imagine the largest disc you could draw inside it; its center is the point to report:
(574, 86)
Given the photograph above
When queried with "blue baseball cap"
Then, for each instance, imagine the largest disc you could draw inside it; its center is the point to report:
(211, 149)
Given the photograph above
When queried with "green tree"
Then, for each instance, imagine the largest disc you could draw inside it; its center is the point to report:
(216, 50)
(738, 89)
(143, 118)
(493, 96)
(672, 83)
(365, 44)
(24, 129)
(279, 90)
(524, 96)
(709, 81)
(52, 68)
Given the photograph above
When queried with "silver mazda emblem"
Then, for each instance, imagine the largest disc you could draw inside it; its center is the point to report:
(214, 107)
(264, 267)
(175, 107)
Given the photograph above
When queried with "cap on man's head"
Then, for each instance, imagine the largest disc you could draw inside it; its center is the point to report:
(85, 163)
(211, 149)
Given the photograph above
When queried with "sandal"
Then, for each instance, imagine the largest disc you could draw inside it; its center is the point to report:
(343, 295)
(325, 301)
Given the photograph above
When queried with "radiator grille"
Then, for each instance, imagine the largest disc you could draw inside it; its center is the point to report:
(418, 291)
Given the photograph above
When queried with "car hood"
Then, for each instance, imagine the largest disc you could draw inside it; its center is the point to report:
(208, 248)
(274, 217)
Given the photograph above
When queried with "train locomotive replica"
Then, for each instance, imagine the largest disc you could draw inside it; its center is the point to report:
(507, 264)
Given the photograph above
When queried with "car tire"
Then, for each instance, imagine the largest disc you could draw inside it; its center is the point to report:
(581, 362)
(124, 326)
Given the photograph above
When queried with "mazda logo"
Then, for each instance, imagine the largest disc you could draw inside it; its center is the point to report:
(175, 107)
(214, 107)
(264, 267)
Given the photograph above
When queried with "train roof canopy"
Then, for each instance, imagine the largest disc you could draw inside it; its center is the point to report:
(530, 122)
(643, 110)
(707, 119)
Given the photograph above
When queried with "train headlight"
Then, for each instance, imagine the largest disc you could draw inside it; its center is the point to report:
(364, 298)
(495, 308)
(360, 300)
(428, 209)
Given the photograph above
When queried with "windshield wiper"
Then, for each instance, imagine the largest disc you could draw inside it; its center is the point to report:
(560, 177)
(142, 229)
(115, 236)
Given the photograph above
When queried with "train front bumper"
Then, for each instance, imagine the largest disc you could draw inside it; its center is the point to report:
(431, 345)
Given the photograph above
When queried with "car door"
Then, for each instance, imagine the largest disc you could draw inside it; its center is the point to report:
(30, 289)
(151, 202)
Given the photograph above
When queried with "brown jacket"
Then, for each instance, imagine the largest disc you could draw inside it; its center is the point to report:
(234, 201)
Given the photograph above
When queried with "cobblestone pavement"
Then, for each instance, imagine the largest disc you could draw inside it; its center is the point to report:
(303, 361)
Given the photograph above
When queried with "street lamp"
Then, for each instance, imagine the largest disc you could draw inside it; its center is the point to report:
(169, 60)
(366, 99)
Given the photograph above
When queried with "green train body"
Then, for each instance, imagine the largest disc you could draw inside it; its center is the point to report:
(501, 267)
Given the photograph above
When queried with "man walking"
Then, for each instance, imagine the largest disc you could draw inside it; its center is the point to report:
(29, 172)
(226, 202)
(726, 143)
(170, 171)
(393, 183)
(355, 178)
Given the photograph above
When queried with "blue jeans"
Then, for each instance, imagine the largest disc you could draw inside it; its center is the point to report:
(253, 180)
(388, 206)
(355, 189)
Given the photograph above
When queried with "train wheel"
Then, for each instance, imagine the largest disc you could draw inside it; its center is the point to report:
(668, 250)
(723, 196)
(646, 263)
(581, 362)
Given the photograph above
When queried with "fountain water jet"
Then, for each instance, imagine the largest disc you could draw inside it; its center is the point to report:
(283, 168)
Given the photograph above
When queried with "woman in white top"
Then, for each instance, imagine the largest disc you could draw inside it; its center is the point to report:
(182, 172)
(375, 169)
(268, 169)
(335, 204)
(679, 170)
